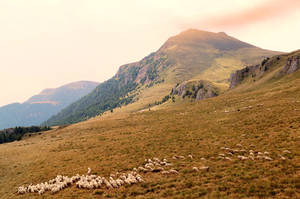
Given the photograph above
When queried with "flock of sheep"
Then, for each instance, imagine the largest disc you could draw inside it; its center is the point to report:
(252, 155)
(157, 165)
(95, 182)
(83, 182)
(154, 165)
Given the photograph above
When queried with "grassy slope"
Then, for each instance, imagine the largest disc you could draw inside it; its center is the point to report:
(121, 141)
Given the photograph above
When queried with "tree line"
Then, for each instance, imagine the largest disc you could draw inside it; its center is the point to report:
(17, 133)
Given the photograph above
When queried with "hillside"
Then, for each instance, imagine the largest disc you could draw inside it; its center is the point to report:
(244, 143)
(40, 107)
(191, 55)
(269, 70)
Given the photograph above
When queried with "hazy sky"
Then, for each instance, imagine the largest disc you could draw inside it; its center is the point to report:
(48, 43)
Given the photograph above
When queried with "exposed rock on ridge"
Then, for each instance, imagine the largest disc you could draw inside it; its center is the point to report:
(197, 90)
(292, 65)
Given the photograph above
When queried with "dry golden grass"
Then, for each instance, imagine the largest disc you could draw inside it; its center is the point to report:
(122, 140)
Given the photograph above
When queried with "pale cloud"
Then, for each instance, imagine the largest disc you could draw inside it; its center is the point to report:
(268, 10)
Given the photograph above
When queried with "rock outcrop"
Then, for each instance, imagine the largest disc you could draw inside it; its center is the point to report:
(292, 65)
(237, 77)
(197, 90)
(252, 71)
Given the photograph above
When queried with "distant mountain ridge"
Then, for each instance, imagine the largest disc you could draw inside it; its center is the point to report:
(191, 55)
(40, 107)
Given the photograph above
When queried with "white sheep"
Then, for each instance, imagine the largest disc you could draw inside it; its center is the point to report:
(286, 151)
(268, 158)
(242, 157)
(204, 168)
(173, 171)
(227, 158)
(282, 158)
(195, 169)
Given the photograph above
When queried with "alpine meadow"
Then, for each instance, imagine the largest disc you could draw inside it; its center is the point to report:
(206, 115)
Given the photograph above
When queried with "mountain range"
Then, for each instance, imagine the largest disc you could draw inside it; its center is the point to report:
(193, 55)
(40, 107)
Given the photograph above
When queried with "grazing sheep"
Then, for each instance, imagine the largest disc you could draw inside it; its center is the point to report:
(113, 183)
(204, 168)
(55, 189)
(227, 158)
(242, 151)
(142, 169)
(242, 157)
(165, 172)
(173, 171)
(139, 178)
(286, 151)
(195, 169)
(149, 168)
(282, 158)
(89, 171)
(108, 185)
(149, 165)
(268, 158)
(119, 182)
(190, 156)
(259, 157)
(22, 190)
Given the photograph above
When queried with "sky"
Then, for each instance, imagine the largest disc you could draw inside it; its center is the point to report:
(48, 43)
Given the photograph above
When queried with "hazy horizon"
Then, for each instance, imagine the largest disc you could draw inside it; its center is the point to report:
(46, 44)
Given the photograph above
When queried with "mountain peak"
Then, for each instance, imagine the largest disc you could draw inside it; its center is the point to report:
(206, 40)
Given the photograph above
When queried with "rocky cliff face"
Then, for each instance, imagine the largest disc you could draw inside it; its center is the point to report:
(197, 90)
(237, 77)
(292, 65)
(252, 71)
